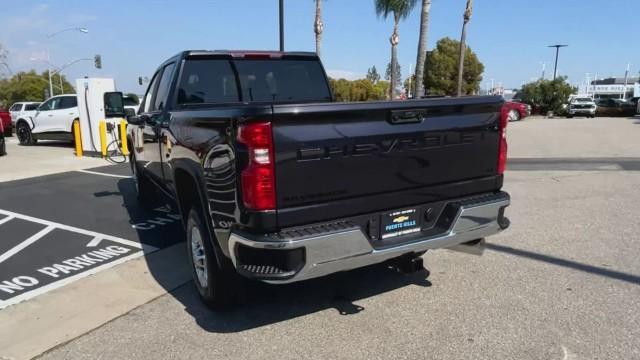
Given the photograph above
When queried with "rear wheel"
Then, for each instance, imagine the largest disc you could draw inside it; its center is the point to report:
(514, 115)
(217, 285)
(569, 116)
(25, 137)
(8, 132)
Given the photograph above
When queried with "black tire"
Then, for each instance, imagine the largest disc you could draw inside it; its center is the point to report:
(8, 132)
(145, 190)
(218, 284)
(569, 116)
(25, 137)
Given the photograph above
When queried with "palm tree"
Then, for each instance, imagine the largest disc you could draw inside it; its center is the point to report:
(400, 10)
(467, 17)
(318, 26)
(422, 49)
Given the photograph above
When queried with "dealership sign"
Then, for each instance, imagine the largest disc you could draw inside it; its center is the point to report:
(610, 89)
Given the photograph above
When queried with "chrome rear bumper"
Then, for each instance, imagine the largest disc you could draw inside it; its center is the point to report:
(350, 248)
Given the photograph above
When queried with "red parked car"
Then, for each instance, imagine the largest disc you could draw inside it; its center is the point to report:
(5, 119)
(517, 111)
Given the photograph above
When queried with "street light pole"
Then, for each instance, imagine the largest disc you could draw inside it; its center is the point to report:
(281, 25)
(555, 70)
(49, 36)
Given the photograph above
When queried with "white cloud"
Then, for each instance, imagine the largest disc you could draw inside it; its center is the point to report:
(344, 74)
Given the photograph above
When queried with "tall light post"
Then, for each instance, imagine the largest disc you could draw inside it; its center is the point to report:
(555, 70)
(281, 13)
(49, 36)
(626, 79)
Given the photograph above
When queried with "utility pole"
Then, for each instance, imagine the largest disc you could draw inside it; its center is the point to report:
(555, 71)
(463, 37)
(281, 25)
(626, 78)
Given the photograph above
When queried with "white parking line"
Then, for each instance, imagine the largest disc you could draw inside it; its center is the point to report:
(94, 234)
(16, 249)
(8, 218)
(104, 174)
(50, 226)
(60, 283)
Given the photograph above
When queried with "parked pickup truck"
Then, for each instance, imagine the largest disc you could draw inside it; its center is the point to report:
(277, 182)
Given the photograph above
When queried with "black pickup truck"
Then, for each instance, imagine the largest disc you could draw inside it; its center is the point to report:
(277, 182)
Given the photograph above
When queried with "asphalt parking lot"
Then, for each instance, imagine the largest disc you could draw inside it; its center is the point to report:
(562, 283)
(62, 227)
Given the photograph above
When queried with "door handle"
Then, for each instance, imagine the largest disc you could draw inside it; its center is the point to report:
(407, 116)
(50, 115)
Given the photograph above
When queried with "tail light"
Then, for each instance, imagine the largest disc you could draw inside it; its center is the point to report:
(258, 179)
(502, 147)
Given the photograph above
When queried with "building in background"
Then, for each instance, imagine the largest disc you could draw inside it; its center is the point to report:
(613, 88)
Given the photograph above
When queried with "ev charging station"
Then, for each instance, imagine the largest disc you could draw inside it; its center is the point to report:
(93, 120)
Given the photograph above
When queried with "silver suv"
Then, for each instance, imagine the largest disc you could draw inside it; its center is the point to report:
(581, 106)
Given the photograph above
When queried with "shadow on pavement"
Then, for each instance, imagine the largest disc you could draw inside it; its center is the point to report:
(630, 278)
(266, 304)
(261, 304)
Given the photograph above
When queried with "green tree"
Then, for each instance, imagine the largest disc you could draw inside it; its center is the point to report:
(133, 96)
(398, 72)
(400, 10)
(30, 86)
(358, 90)
(418, 90)
(442, 69)
(547, 95)
(372, 75)
(318, 26)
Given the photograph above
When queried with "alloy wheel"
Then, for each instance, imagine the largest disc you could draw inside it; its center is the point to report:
(198, 256)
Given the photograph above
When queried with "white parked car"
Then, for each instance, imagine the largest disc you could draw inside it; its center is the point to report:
(131, 102)
(53, 120)
(22, 110)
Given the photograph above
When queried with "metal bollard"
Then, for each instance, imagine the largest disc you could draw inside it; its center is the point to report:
(77, 137)
(123, 137)
(103, 137)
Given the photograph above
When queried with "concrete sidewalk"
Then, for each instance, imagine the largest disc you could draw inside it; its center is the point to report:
(47, 157)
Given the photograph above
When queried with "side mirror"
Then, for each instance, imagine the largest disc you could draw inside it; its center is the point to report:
(113, 105)
(128, 112)
(135, 120)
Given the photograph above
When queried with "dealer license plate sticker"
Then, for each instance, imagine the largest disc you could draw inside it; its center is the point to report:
(400, 222)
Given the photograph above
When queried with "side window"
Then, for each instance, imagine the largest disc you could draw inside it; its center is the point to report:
(56, 103)
(68, 102)
(163, 89)
(146, 102)
(49, 104)
(15, 107)
(207, 81)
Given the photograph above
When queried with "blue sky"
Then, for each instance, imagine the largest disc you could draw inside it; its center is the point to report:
(509, 36)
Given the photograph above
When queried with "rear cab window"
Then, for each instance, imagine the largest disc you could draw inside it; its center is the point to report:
(206, 80)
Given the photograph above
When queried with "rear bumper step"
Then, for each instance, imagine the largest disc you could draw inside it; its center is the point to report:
(322, 253)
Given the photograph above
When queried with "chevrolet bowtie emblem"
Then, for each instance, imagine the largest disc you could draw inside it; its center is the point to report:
(400, 219)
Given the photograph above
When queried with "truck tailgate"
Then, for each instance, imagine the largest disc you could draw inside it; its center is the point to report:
(338, 159)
